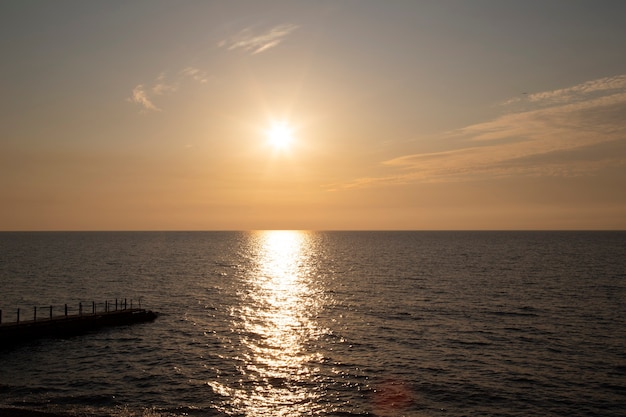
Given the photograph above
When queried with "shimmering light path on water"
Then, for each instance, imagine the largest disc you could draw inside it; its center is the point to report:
(274, 324)
(325, 323)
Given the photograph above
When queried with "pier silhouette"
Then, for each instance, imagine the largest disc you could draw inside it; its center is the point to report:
(44, 324)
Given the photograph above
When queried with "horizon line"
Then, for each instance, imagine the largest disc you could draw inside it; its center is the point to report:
(296, 230)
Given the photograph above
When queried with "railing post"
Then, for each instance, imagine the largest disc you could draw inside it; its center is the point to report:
(65, 310)
(116, 304)
(50, 312)
(131, 303)
(125, 304)
(80, 309)
(35, 313)
(18, 316)
(93, 307)
(0, 316)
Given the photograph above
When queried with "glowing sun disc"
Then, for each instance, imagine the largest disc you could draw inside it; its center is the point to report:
(280, 135)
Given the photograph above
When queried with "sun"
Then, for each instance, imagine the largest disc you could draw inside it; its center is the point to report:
(280, 135)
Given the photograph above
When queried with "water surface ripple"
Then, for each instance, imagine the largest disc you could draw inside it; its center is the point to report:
(324, 323)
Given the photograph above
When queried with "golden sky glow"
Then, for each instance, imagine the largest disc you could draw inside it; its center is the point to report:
(349, 114)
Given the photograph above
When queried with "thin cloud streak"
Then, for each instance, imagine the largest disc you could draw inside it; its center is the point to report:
(248, 40)
(161, 86)
(256, 43)
(578, 92)
(581, 91)
(539, 142)
(140, 96)
(195, 74)
(144, 96)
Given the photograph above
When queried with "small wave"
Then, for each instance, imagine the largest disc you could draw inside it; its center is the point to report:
(511, 313)
(469, 342)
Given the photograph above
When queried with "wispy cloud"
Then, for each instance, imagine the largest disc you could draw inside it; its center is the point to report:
(578, 92)
(140, 96)
(572, 131)
(195, 74)
(252, 40)
(144, 95)
(162, 86)
(581, 91)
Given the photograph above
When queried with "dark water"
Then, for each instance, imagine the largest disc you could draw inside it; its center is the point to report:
(328, 324)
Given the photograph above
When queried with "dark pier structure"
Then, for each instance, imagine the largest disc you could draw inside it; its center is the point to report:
(46, 325)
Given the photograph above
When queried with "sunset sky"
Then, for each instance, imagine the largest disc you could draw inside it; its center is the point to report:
(156, 115)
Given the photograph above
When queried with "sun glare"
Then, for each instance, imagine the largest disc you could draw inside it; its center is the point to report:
(280, 135)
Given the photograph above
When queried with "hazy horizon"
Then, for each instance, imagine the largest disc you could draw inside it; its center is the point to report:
(326, 115)
(314, 231)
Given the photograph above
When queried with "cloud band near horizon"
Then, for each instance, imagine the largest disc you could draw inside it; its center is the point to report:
(547, 140)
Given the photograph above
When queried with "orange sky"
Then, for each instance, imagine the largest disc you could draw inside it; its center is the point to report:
(154, 115)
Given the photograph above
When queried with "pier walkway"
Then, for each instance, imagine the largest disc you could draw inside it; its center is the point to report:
(70, 324)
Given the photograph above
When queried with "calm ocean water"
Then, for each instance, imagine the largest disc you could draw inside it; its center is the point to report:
(325, 323)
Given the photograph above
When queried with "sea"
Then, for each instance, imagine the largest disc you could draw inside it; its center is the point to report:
(299, 323)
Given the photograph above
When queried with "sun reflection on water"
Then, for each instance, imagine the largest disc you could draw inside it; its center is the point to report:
(276, 324)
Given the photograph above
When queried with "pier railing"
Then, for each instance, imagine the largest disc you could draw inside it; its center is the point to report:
(39, 313)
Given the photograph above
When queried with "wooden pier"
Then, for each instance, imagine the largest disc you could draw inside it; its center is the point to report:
(50, 326)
